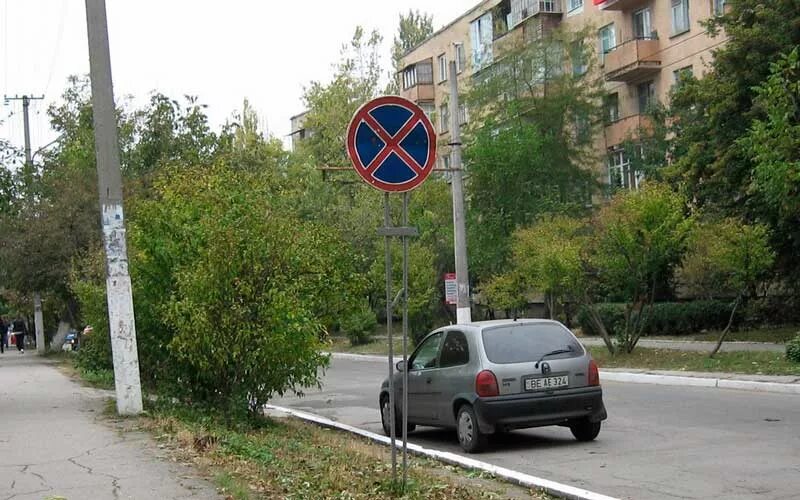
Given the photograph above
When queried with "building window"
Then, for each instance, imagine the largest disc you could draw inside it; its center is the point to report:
(442, 60)
(444, 118)
(409, 77)
(444, 161)
(429, 109)
(620, 173)
(680, 16)
(608, 40)
(719, 7)
(425, 72)
(461, 60)
(642, 24)
(647, 96)
(481, 38)
(681, 74)
(463, 114)
(579, 63)
(611, 105)
(573, 5)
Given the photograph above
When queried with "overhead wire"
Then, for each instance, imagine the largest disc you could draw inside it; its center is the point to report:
(57, 48)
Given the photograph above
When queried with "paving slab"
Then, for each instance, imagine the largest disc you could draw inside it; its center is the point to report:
(56, 442)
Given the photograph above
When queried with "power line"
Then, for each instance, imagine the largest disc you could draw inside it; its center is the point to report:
(57, 48)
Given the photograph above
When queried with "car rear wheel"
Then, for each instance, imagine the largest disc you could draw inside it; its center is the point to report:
(584, 430)
(398, 419)
(470, 437)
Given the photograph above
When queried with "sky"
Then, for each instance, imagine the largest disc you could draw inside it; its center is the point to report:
(222, 52)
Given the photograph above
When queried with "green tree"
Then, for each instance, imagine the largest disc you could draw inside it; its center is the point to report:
(331, 106)
(548, 257)
(727, 256)
(640, 238)
(711, 115)
(413, 28)
(531, 151)
(773, 145)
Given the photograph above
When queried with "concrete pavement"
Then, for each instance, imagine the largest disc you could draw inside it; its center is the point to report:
(55, 444)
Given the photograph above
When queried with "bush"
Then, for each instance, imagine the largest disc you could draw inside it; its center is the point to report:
(666, 318)
(360, 325)
(793, 349)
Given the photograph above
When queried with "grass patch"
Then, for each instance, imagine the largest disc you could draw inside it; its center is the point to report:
(751, 363)
(100, 379)
(290, 459)
(778, 335)
(376, 346)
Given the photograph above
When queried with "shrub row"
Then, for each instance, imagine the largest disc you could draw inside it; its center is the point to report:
(666, 318)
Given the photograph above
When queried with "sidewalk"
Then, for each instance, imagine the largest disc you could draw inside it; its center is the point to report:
(694, 345)
(54, 443)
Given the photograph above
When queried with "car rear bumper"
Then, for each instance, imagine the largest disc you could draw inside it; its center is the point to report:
(538, 409)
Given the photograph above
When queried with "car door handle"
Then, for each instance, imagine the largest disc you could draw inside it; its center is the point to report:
(428, 380)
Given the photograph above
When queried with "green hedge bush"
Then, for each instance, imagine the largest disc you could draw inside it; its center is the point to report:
(793, 349)
(360, 325)
(667, 318)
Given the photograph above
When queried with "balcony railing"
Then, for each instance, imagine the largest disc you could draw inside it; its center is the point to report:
(626, 128)
(632, 60)
(524, 9)
(419, 92)
(621, 4)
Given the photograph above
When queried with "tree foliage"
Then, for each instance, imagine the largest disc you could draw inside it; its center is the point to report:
(711, 117)
(412, 29)
(641, 237)
(531, 150)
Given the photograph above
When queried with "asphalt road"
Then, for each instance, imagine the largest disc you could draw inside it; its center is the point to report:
(659, 442)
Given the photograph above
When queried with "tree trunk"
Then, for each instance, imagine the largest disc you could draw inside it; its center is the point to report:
(597, 321)
(727, 328)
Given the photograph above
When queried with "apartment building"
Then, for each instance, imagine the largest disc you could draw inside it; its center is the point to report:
(643, 46)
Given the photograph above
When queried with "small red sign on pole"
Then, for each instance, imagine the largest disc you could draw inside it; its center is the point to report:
(450, 288)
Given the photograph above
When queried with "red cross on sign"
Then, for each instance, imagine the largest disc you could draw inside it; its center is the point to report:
(392, 144)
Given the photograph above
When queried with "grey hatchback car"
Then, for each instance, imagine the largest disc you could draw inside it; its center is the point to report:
(492, 376)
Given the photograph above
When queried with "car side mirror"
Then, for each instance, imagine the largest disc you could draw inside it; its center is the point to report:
(401, 366)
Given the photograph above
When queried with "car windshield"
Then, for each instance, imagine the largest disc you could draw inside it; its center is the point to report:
(528, 343)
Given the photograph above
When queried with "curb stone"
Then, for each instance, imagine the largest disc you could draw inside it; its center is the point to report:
(526, 480)
(645, 378)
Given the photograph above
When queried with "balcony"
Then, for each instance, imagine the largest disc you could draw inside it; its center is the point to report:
(627, 128)
(419, 92)
(523, 9)
(632, 60)
(620, 4)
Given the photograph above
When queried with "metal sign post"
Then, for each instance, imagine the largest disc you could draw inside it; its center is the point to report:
(392, 145)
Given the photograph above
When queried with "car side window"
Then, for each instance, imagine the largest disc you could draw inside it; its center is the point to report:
(427, 354)
(455, 350)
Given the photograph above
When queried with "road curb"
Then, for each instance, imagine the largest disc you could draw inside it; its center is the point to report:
(522, 479)
(647, 378)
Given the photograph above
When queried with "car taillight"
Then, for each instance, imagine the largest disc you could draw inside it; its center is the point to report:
(594, 373)
(486, 384)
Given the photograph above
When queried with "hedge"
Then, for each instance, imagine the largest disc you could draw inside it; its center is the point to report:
(667, 318)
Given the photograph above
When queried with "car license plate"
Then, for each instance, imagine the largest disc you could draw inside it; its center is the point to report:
(546, 383)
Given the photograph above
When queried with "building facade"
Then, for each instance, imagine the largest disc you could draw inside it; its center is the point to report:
(643, 48)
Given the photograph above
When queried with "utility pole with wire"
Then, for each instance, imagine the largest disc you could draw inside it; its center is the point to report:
(122, 326)
(27, 174)
(463, 311)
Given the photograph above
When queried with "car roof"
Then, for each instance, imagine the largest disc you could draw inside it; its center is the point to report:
(482, 325)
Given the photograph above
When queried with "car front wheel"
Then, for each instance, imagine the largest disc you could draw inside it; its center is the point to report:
(470, 437)
(583, 430)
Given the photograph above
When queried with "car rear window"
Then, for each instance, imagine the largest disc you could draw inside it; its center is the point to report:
(528, 343)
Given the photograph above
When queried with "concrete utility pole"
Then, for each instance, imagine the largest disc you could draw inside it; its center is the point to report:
(463, 311)
(38, 319)
(109, 178)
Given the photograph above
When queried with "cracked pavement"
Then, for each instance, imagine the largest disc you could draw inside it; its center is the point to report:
(54, 443)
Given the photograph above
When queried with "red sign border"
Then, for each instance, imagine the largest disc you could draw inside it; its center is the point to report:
(359, 167)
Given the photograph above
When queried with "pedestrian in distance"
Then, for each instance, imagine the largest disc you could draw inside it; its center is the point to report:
(3, 334)
(20, 330)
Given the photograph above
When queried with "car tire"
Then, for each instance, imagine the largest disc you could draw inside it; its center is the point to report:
(470, 437)
(584, 430)
(398, 420)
